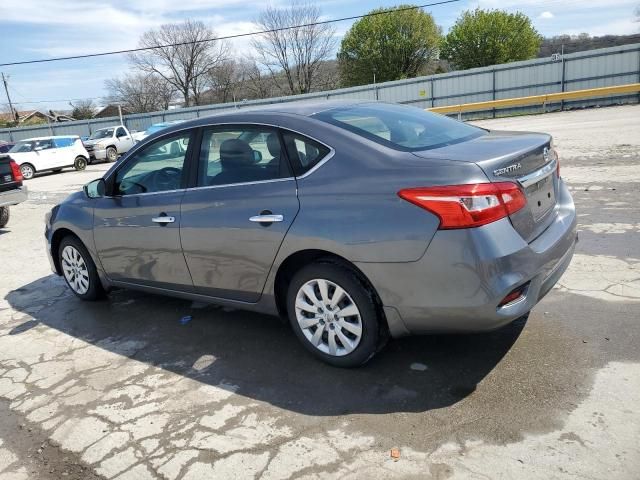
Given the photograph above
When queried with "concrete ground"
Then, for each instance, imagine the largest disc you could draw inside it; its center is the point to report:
(121, 390)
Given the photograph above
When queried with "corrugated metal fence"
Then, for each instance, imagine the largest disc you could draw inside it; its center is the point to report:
(595, 68)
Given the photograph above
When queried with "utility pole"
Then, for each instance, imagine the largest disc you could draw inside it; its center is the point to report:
(14, 114)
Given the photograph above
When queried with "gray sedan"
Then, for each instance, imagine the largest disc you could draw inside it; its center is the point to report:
(356, 221)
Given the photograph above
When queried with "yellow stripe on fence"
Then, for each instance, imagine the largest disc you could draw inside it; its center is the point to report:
(538, 99)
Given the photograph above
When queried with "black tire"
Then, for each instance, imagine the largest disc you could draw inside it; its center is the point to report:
(112, 154)
(94, 290)
(4, 216)
(80, 163)
(27, 170)
(364, 300)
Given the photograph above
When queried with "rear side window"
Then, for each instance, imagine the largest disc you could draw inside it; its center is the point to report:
(63, 142)
(303, 152)
(242, 154)
(401, 127)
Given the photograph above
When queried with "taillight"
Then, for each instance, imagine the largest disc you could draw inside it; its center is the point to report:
(15, 170)
(464, 206)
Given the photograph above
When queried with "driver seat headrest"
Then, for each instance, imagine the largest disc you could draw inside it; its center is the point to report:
(236, 153)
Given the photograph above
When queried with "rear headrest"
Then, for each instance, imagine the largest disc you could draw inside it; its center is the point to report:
(273, 145)
(236, 153)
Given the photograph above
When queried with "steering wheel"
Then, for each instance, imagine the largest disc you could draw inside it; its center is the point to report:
(167, 178)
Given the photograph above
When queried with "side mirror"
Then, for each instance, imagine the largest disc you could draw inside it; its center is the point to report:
(95, 189)
(257, 156)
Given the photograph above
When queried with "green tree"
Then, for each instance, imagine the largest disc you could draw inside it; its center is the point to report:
(390, 46)
(488, 37)
(83, 109)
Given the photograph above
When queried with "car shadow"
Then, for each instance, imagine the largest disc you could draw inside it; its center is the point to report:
(261, 355)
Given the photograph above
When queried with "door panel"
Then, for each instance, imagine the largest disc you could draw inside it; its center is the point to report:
(137, 228)
(242, 173)
(228, 255)
(133, 248)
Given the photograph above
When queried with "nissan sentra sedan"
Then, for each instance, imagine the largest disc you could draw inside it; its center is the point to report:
(355, 221)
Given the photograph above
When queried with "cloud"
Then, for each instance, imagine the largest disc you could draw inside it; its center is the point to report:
(616, 27)
(546, 15)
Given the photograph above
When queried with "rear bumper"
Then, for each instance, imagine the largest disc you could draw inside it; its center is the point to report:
(13, 196)
(463, 276)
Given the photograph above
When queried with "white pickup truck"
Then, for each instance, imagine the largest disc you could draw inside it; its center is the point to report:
(108, 143)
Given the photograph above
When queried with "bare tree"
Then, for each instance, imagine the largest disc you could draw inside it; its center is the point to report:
(296, 52)
(255, 84)
(224, 79)
(141, 92)
(182, 54)
(83, 109)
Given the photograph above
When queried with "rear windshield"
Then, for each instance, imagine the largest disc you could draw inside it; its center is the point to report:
(400, 127)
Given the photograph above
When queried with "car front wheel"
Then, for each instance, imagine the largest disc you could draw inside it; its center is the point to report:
(27, 171)
(112, 154)
(78, 269)
(334, 314)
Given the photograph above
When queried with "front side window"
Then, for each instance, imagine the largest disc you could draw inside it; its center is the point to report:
(45, 144)
(158, 167)
(241, 154)
(401, 127)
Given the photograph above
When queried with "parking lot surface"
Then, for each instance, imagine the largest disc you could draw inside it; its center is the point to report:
(121, 389)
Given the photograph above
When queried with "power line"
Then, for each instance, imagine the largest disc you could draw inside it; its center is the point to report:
(228, 37)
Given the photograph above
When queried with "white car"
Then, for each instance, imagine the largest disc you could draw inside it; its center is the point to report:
(49, 153)
(108, 143)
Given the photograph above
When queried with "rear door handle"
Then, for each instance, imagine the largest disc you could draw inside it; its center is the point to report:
(163, 219)
(266, 218)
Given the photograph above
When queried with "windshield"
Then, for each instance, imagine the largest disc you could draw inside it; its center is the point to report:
(400, 127)
(22, 147)
(102, 133)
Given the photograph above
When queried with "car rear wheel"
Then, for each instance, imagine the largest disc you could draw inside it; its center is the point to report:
(112, 154)
(4, 216)
(80, 163)
(78, 269)
(27, 171)
(334, 314)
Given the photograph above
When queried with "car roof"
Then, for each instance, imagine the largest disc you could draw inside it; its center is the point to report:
(48, 138)
(304, 108)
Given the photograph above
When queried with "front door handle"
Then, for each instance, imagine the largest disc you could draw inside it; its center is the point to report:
(163, 219)
(270, 218)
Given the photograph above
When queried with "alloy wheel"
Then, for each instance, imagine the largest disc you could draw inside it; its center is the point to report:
(75, 270)
(27, 171)
(328, 317)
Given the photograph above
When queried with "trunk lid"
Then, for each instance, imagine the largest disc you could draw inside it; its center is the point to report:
(525, 158)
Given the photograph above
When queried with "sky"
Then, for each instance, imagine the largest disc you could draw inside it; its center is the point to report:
(34, 29)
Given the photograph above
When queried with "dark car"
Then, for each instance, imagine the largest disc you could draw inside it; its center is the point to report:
(355, 221)
(12, 191)
(5, 147)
